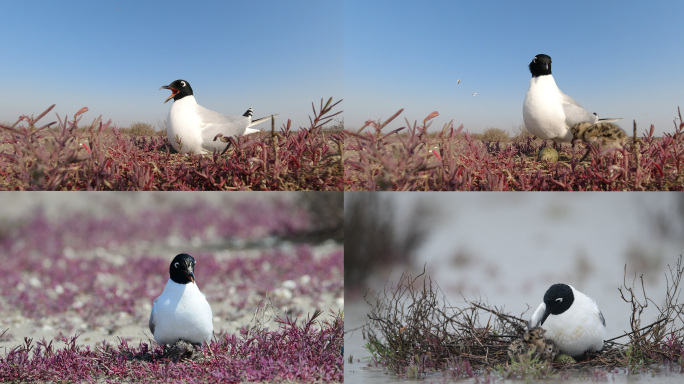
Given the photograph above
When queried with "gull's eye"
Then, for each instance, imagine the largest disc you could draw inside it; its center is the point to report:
(175, 265)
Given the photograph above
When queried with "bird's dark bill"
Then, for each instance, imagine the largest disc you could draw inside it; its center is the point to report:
(543, 319)
(190, 276)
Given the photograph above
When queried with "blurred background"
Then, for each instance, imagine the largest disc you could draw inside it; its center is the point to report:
(92, 263)
(508, 248)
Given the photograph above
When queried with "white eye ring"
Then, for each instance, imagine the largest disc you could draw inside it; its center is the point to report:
(183, 83)
(175, 264)
(560, 299)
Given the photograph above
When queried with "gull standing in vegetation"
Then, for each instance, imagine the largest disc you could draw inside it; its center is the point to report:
(572, 320)
(548, 113)
(200, 130)
(181, 313)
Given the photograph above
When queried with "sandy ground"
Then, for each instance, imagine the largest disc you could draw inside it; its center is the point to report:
(134, 327)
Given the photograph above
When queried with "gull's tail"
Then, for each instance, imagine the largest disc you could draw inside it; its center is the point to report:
(260, 120)
(254, 122)
(607, 120)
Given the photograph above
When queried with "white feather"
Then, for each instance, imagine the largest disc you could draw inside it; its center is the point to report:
(181, 313)
(549, 114)
(579, 329)
(197, 127)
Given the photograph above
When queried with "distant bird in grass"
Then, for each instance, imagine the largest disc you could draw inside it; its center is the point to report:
(181, 313)
(548, 113)
(602, 134)
(200, 130)
(571, 319)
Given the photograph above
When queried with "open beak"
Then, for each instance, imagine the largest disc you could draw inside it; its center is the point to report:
(190, 276)
(174, 92)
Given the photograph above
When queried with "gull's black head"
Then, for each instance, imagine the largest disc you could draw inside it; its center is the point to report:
(179, 89)
(558, 298)
(540, 65)
(182, 269)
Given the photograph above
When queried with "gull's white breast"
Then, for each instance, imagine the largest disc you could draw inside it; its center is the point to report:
(181, 312)
(185, 122)
(543, 112)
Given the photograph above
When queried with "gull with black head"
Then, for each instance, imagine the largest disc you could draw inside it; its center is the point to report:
(572, 320)
(181, 313)
(200, 130)
(548, 113)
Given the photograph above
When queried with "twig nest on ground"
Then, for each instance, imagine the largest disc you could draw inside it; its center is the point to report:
(548, 155)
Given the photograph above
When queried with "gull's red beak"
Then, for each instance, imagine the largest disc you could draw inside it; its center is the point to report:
(174, 92)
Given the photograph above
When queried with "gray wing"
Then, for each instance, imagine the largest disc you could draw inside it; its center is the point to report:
(261, 120)
(151, 322)
(603, 321)
(575, 113)
(215, 123)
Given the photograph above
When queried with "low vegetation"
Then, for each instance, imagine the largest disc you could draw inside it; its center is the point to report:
(411, 158)
(74, 156)
(306, 352)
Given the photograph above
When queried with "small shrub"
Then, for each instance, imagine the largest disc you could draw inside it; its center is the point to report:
(522, 134)
(141, 129)
(494, 134)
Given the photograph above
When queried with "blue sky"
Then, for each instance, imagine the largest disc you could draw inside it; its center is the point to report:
(616, 58)
(619, 59)
(112, 56)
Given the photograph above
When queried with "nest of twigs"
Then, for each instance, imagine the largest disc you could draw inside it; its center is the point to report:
(413, 330)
